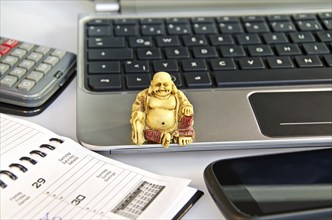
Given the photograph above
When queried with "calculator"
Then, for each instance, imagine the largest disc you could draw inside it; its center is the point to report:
(32, 76)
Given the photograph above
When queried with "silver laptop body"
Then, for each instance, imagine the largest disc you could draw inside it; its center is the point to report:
(225, 118)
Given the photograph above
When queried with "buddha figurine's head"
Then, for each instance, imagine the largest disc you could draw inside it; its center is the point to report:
(162, 85)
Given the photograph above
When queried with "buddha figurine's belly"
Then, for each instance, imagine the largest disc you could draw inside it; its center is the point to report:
(160, 119)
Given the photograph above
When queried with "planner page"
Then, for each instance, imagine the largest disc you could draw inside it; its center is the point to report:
(45, 176)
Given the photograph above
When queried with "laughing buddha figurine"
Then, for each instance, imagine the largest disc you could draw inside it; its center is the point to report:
(162, 114)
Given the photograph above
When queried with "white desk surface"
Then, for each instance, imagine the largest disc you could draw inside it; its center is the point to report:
(54, 23)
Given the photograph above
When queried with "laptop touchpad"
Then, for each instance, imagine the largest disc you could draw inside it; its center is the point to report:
(289, 114)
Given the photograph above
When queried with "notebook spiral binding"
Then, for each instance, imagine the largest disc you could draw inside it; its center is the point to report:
(24, 169)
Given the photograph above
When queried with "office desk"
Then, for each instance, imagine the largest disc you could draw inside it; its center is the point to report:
(54, 23)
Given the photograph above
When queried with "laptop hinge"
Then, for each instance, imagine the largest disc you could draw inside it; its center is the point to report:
(107, 5)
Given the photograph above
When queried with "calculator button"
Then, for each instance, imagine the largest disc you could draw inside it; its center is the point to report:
(10, 43)
(3, 68)
(58, 53)
(27, 64)
(26, 46)
(10, 60)
(4, 50)
(18, 72)
(51, 60)
(18, 53)
(35, 56)
(43, 67)
(35, 76)
(42, 49)
(26, 85)
(8, 81)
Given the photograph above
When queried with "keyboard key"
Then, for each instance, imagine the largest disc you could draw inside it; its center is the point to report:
(288, 49)
(232, 51)
(99, 31)
(138, 81)
(178, 29)
(125, 21)
(309, 25)
(230, 28)
(177, 53)
(251, 63)
(137, 67)
(102, 42)
(165, 65)
(325, 36)
(283, 26)
(267, 77)
(275, 38)
(194, 40)
(204, 52)
(327, 24)
(110, 54)
(328, 59)
(272, 18)
(224, 39)
(105, 82)
(153, 30)
(316, 48)
(308, 61)
(126, 30)
(198, 79)
(168, 41)
(302, 17)
(176, 78)
(194, 65)
(205, 29)
(151, 21)
(149, 53)
(140, 42)
(256, 27)
(104, 67)
(248, 39)
(261, 50)
(223, 64)
(280, 62)
(253, 18)
(302, 37)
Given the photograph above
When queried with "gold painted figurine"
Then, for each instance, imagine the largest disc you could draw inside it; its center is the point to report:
(162, 114)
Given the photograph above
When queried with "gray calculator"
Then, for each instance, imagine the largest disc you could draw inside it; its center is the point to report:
(32, 76)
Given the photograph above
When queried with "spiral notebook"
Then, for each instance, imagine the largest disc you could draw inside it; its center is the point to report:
(45, 176)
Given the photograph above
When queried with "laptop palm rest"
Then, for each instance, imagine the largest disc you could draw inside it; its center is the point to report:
(290, 114)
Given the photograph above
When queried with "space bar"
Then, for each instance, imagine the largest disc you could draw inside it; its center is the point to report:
(268, 77)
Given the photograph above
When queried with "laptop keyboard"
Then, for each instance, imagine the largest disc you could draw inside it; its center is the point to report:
(204, 52)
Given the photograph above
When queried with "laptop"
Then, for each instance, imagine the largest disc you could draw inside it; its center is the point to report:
(258, 73)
